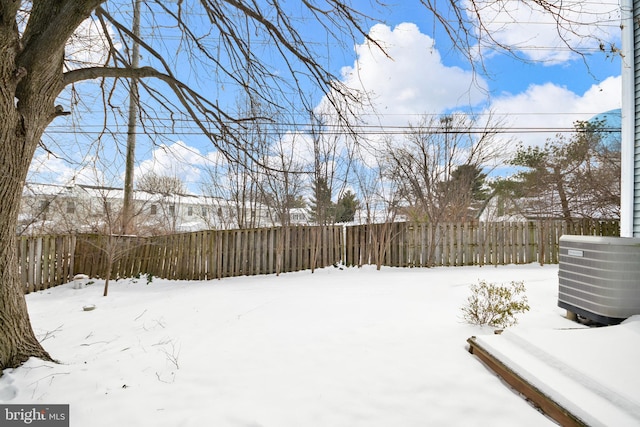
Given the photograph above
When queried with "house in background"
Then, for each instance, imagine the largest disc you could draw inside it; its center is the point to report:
(57, 209)
(80, 208)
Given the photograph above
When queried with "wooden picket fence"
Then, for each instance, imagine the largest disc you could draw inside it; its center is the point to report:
(47, 261)
(469, 243)
(212, 254)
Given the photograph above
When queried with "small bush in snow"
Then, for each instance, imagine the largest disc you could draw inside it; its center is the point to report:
(495, 305)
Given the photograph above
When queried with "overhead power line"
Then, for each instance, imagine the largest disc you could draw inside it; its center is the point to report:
(360, 130)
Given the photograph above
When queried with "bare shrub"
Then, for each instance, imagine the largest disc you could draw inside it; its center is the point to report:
(495, 305)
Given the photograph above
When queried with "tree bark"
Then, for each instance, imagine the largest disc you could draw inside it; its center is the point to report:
(17, 340)
(564, 202)
(30, 80)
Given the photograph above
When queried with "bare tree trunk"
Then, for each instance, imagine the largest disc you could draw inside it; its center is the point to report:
(17, 340)
(564, 202)
(28, 89)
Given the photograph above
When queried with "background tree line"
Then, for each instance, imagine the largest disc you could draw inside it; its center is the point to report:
(440, 170)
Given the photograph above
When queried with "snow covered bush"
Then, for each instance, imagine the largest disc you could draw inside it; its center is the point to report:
(495, 305)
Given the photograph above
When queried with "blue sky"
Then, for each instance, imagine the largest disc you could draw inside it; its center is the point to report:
(548, 91)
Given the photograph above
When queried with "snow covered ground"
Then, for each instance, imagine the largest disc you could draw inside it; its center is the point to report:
(591, 372)
(338, 347)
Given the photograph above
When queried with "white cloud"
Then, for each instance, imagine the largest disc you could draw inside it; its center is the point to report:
(405, 82)
(415, 81)
(298, 147)
(550, 107)
(544, 35)
(176, 160)
(89, 45)
(56, 170)
(412, 79)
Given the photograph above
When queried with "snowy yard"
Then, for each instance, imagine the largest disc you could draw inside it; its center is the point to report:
(352, 347)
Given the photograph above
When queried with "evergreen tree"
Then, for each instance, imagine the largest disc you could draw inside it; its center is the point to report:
(346, 207)
(459, 196)
(470, 179)
(570, 177)
(321, 208)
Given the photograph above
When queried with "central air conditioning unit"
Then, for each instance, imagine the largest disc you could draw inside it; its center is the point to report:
(599, 277)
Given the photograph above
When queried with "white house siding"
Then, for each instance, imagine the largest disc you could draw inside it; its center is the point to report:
(155, 213)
